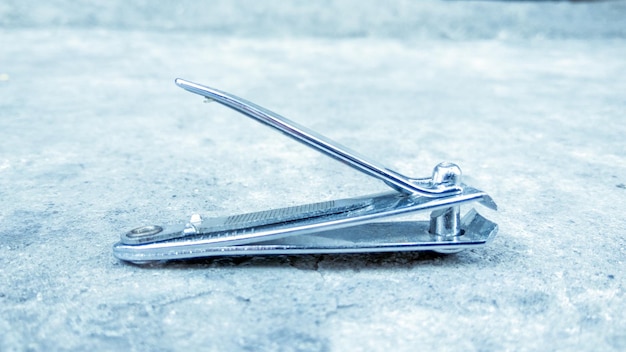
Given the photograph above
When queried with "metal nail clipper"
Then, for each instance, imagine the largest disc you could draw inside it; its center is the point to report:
(349, 225)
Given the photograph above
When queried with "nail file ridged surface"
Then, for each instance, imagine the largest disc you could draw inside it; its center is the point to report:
(282, 215)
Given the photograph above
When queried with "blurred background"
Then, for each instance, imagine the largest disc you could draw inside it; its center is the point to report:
(454, 20)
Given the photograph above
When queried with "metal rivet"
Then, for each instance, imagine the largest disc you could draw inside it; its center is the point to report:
(144, 231)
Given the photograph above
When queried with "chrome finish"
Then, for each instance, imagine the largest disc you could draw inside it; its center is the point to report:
(446, 222)
(403, 236)
(336, 226)
(428, 187)
(291, 221)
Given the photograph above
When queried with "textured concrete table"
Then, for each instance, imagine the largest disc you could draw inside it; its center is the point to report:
(95, 139)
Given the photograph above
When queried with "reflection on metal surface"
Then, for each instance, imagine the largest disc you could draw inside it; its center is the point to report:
(337, 226)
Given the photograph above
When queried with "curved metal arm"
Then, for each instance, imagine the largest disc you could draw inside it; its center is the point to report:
(445, 181)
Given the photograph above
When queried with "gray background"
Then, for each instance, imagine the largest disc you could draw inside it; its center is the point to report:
(95, 139)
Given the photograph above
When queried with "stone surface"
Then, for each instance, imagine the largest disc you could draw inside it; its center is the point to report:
(95, 139)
